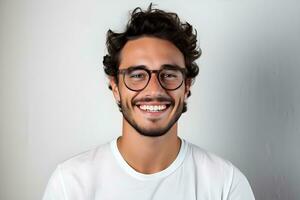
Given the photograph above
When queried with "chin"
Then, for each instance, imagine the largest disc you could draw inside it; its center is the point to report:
(153, 132)
(152, 125)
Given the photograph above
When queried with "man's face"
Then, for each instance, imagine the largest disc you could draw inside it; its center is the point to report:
(154, 110)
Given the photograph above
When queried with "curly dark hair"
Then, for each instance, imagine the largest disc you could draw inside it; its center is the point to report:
(155, 23)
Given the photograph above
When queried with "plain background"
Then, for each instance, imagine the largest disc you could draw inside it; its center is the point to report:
(55, 102)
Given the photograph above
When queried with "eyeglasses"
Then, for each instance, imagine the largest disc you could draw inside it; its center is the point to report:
(137, 78)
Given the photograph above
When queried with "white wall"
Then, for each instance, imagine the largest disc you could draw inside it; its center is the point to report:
(55, 103)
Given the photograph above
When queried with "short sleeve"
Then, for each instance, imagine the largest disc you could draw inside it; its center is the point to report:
(55, 189)
(240, 188)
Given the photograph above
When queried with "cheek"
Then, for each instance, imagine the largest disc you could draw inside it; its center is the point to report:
(126, 96)
(178, 96)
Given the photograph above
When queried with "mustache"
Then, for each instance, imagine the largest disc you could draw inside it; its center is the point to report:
(149, 99)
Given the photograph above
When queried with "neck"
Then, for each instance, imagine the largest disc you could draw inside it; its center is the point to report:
(148, 155)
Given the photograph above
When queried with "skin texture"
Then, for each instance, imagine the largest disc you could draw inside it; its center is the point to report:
(149, 141)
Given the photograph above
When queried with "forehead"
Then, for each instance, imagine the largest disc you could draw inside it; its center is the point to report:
(151, 52)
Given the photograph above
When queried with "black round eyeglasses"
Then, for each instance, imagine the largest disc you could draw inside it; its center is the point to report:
(137, 78)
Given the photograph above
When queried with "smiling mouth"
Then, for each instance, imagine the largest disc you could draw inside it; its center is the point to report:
(153, 108)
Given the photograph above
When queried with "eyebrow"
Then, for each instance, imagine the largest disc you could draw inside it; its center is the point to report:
(164, 66)
(170, 66)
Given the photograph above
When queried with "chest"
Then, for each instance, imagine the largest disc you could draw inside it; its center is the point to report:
(179, 186)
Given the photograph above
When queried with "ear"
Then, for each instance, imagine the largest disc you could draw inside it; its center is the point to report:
(188, 84)
(114, 88)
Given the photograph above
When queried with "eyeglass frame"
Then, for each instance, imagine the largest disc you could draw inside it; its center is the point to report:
(157, 72)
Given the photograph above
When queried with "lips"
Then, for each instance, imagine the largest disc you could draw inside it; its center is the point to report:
(153, 108)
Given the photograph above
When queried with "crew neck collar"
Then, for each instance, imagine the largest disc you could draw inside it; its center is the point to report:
(158, 175)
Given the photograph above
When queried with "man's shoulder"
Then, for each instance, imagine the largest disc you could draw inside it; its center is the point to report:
(209, 161)
(218, 171)
(211, 165)
(87, 159)
(77, 171)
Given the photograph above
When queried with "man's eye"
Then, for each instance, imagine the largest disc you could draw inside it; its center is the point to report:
(137, 76)
(169, 75)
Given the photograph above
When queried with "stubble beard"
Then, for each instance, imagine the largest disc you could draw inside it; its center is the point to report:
(154, 132)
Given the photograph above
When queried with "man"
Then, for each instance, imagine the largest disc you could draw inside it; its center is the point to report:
(151, 68)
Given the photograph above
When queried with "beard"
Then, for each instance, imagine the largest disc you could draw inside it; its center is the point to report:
(151, 132)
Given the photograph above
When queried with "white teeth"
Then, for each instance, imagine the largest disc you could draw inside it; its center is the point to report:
(153, 108)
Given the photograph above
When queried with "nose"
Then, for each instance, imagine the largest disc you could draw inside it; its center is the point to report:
(154, 87)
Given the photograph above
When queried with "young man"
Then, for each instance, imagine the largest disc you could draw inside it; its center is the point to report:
(151, 68)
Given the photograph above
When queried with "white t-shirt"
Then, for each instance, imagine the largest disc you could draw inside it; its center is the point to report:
(103, 174)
